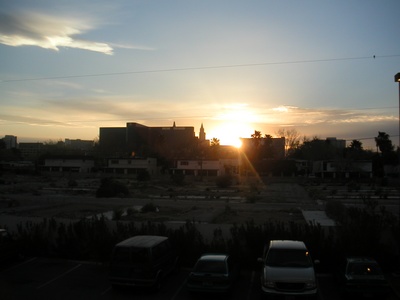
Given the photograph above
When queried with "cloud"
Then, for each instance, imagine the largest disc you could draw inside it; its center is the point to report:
(34, 29)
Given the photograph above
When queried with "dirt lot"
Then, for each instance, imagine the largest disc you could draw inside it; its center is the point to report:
(74, 198)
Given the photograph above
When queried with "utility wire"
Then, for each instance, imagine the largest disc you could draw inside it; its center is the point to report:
(201, 68)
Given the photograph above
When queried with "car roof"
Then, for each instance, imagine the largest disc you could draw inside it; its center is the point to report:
(214, 257)
(287, 244)
(360, 259)
(142, 241)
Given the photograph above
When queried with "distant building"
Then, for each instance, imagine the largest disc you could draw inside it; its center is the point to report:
(131, 166)
(202, 137)
(139, 140)
(207, 168)
(10, 141)
(83, 145)
(342, 169)
(68, 164)
(338, 144)
(31, 151)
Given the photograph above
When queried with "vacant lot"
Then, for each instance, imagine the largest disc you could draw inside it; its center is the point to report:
(74, 198)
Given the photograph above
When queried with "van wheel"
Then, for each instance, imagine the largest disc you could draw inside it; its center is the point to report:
(157, 285)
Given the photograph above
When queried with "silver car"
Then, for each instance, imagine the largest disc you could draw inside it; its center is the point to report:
(287, 269)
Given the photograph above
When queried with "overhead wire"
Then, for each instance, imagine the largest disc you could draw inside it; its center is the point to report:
(199, 68)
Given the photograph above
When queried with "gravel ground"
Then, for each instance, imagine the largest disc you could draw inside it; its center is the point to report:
(47, 197)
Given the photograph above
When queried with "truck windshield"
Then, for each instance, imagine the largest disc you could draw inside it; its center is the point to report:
(289, 258)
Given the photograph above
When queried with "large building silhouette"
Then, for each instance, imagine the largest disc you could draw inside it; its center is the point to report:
(139, 140)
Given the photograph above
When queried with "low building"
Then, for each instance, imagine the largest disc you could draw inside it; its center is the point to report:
(68, 164)
(200, 167)
(342, 169)
(131, 166)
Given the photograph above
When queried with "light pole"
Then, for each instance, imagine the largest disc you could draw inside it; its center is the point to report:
(397, 79)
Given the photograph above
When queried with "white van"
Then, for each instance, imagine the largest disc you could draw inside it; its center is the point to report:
(142, 261)
(287, 269)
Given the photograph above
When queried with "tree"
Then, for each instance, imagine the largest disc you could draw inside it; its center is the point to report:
(356, 145)
(383, 142)
(215, 148)
(215, 142)
(292, 139)
(256, 136)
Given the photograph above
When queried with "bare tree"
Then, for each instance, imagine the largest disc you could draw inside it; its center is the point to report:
(292, 139)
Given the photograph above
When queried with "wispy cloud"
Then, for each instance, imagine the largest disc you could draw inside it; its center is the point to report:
(310, 116)
(41, 30)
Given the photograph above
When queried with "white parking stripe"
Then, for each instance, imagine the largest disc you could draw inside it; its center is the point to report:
(21, 264)
(251, 285)
(179, 290)
(58, 277)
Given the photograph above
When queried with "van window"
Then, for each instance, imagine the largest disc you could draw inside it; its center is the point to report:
(160, 250)
(121, 254)
(140, 255)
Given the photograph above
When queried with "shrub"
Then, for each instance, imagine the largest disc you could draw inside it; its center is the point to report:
(149, 207)
(111, 188)
(178, 179)
(336, 210)
(117, 214)
(224, 181)
(143, 175)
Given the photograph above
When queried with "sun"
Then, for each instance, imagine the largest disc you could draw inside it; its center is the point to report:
(230, 133)
(233, 123)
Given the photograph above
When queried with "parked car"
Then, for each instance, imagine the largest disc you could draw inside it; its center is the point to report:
(9, 248)
(287, 270)
(215, 273)
(142, 261)
(362, 276)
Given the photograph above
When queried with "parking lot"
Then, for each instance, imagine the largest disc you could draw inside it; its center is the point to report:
(45, 278)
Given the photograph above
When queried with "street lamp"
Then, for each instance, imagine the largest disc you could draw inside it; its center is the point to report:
(397, 79)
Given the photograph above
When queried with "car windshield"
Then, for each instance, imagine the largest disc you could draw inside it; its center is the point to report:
(364, 269)
(207, 266)
(288, 258)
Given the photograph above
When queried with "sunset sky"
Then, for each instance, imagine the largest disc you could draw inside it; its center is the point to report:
(325, 68)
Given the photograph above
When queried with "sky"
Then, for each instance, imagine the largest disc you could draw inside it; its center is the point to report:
(323, 68)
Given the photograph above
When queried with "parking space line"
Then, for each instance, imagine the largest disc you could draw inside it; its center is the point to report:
(251, 285)
(58, 277)
(106, 291)
(20, 264)
(179, 290)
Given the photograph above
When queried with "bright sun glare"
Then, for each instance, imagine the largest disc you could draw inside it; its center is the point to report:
(234, 124)
(230, 133)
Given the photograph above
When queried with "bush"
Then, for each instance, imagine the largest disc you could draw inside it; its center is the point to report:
(111, 188)
(224, 181)
(117, 214)
(149, 207)
(178, 179)
(335, 210)
(143, 175)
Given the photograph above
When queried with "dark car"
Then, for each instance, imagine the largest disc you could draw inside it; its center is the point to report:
(142, 261)
(215, 273)
(362, 276)
(9, 248)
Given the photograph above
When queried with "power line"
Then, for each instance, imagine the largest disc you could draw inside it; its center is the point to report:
(201, 68)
